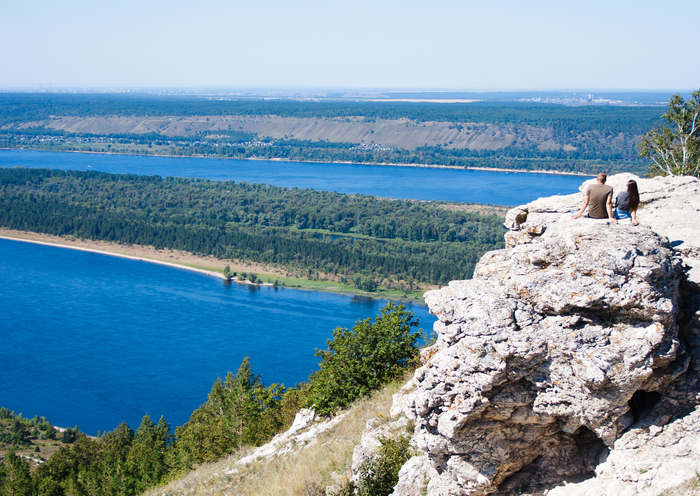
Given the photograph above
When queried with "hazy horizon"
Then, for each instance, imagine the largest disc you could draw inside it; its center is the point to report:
(312, 45)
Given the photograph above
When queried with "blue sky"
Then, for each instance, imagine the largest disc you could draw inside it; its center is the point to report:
(441, 44)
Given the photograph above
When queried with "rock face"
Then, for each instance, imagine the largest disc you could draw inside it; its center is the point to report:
(566, 349)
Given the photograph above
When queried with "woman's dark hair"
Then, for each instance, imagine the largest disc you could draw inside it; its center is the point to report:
(633, 194)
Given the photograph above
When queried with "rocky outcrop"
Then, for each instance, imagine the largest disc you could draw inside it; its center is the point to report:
(371, 441)
(301, 435)
(570, 351)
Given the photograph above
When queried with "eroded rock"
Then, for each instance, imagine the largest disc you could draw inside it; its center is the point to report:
(543, 358)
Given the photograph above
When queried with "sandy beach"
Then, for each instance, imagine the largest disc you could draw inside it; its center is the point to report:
(174, 258)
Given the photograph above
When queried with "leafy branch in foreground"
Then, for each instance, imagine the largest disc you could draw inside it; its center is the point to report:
(674, 148)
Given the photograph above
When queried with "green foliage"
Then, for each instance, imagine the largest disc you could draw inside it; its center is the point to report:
(146, 459)
(380, 474)
(119, 463)
(365, 283)
(239, 411)
(71, 435)
(380, 240)
(15, 479)
(674, 147)
(18, 431)
(361, 360)
(227, 272)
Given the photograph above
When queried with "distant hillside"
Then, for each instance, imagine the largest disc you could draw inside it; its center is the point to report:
(513, 135)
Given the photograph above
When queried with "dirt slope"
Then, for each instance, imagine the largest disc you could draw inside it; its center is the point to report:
(399, 133)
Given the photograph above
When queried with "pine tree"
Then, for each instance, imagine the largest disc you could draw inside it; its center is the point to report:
(146, 459)
(15, 479)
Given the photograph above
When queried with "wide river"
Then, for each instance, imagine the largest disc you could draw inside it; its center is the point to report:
(94, 340)
(418, 183)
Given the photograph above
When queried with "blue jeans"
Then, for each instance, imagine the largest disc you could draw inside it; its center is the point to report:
(621, 214)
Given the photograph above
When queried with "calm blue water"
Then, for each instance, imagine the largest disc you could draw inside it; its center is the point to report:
(93, 340)
(418, 183)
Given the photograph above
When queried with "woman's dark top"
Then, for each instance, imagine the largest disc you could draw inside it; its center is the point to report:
(622, 201)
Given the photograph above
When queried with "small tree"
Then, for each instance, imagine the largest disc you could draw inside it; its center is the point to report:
(363, 359)
(146, 459)
(232, 416)
(674, 148)
(227, 273)
(14, 476)
(380, 474)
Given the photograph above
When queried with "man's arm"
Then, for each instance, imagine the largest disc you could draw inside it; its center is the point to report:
(583, 208)
(608, 207)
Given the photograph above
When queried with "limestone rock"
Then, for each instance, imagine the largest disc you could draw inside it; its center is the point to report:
(370, 443)
(303, 419)
(549, 359)
(302, 434)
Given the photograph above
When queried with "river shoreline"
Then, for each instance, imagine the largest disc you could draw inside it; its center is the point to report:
(386, 164)
(208, 266)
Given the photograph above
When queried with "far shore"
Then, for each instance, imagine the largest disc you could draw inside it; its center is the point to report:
(142, 253)
(274, 159)
(206, 265)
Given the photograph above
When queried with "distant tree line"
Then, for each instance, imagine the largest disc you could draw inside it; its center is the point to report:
(343, 235)
(589, 139)
(589, 157)
(29, 107)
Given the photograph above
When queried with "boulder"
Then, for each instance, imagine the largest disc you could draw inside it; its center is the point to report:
(563, 353)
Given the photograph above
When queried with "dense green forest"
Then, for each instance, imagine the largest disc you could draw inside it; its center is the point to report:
(239, 411)
(26, 107)
(585, 139)
(359, 239)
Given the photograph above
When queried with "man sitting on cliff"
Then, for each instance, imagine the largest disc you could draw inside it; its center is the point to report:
(598, 200)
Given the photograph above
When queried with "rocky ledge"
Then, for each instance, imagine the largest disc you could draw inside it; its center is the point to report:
(568, 364)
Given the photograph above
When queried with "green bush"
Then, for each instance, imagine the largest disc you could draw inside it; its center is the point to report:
(379, 474)
(363, 359)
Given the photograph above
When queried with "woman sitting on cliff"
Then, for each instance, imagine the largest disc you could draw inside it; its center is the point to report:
(627, 202)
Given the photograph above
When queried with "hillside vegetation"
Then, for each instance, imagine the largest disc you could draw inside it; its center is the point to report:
(357, 239)
(303, 472)
(514, 136)
(240, 411)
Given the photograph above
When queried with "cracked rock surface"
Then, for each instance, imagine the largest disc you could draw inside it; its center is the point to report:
(569, 351)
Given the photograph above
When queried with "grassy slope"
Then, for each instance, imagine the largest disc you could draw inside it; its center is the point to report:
(295, 474)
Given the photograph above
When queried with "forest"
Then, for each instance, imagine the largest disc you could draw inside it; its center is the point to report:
(27, 107)
(358, 239)
(584, 139)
